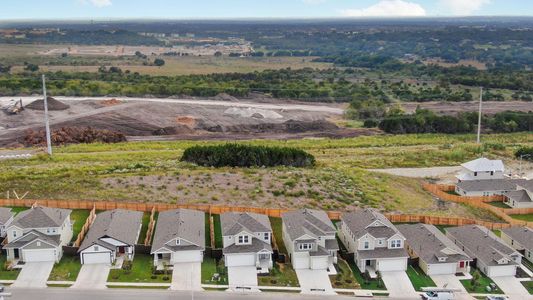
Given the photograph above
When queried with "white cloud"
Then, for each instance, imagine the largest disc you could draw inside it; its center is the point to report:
(313, 2)
(388, 8)
(97, 3)
(463, 7)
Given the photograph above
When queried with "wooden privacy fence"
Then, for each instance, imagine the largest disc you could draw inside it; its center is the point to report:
(151, 227)
(85, 228)
(440, 191)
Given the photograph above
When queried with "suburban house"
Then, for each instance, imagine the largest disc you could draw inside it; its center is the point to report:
(521, 239)
(376, 243)
(6, 217)
(247, 240)
(522, 197)
(309, 236)
(491, 255)
(179, 237)
(436, 254)
(38, 234)
(481, 169)
(112, 235)
(488, 187)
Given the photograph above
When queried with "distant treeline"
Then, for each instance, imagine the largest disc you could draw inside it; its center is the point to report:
(425, 121)
(85, 37)
(238, 155)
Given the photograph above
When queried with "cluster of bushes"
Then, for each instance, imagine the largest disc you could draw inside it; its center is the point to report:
(238, 155)
(73, 135)
(525, 153)
(424, 121)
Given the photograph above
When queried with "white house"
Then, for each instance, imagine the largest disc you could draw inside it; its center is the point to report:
(6, 217)
(492, 256)
(521, 239)
(309, 236)
(487, 187)
(376, 243)
(113, 234)
(38, 234)
(179, 237)
(247, 239)
(481, 169)
(522, 197)
(436, 254)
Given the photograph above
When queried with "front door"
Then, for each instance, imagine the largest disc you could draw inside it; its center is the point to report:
(16, 254)
(121, 249)
(368, 262)
(461, 264)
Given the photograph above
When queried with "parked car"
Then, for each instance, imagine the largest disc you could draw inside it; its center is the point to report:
(497, 298)
(438, 295)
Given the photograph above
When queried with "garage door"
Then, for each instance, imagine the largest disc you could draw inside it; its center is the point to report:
(239, 260)
(39, 255)
(300, 262)
(187, 256)
(442, 269)
(96, 258)
(392, 265)
(319, 263)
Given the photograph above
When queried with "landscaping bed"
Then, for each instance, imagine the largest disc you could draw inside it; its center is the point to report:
(67, 269)
(280, 275)
(141, 271)
(481, 286)
(419, 279)
(211, 267)
(344, 279)
(364, 281)
(6, 274)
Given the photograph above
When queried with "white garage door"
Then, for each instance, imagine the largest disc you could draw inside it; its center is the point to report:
(39, 255)
(187, 256)
(392, 265)
(96, 258)
(497, 271)
(240, 260)
(442, 269)
(319, 263)
(300, 262)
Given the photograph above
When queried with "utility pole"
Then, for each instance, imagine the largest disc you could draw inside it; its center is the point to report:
(46, 121)
(479, 115)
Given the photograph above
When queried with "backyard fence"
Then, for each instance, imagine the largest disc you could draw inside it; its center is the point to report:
(85, 228)
(151, 227)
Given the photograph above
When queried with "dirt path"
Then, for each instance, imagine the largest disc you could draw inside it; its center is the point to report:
(420, 172)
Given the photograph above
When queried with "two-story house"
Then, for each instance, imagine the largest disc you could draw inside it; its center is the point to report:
(6, 217)
(309, 236)
(38, 234)
(247, 240)
(481, 169)
(376, 243)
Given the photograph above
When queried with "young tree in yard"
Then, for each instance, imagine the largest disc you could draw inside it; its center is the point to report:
(476, 276)
(159, 62)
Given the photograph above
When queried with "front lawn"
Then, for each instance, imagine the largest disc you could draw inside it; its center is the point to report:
(66, 270)
(210, 268)
(527, 217)
(419, 279)
(218, 231)
(280, 275)
(364, 281)
(481, 287)
(141, 271)
(7, 274)
(529, 286)
(79, 217)
(144, 228)
(344, 278)
(277, 231)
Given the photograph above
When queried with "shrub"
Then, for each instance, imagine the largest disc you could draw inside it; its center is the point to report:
(524, 152)
(238, 155)
(370, 123)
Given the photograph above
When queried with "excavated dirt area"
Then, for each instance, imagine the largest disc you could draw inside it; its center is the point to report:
(166, 119)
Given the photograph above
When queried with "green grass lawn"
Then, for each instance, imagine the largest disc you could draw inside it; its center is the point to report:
(419, 279)
(277, 230)
(78, 216)
(499, 204)
(7, 274)
(66, 270)
(207, 230)
(529, 286)
(210, 267)
(280, 275)
(344, 278)
(366, 284)
(218, 231)
(17, 209)
(141, 271)
(144, 228)
(482, 287)
(528, 217)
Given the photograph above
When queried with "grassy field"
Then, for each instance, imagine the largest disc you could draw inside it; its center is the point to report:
(151, 171)
(419, 279)
(141, 272)
(67, 269)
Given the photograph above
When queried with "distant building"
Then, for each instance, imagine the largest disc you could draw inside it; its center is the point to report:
(481, 169)
(522, 197)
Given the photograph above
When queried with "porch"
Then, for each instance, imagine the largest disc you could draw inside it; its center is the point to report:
(263, 262)
(162, 261)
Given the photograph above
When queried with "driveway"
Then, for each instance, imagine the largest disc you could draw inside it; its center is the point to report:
(512, 287)
(399, 285)
(92, 276)
(242, 279)
(314, 282)
(452, 282)
(34, 275)
(187, 277)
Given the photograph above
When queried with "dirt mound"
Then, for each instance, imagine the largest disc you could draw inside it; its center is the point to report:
(73, 135)
(53, 104)
(187, 121)
(174, 130)
(110, 102)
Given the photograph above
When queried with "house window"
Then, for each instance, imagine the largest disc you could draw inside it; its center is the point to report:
(96, 248)
(396, 244)
(475, 173)
(491, 173)
(266, 236)
(38, 244)
(178, 242)
(366, 245)
(48, 230)
(304, 246)
(14, 234)
(244, 239)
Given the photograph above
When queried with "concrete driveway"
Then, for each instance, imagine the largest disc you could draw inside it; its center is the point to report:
(512, 287)
(242, 279)
(452, 282)
(34, 275)
(187, 277)
(314, 282)
(93, 276)
(399, 285)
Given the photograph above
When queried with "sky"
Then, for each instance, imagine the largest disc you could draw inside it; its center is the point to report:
(227, 9)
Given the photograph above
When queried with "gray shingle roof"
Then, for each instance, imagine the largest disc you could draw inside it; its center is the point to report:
(526, 184)
(234, 222)
(481, 243)
(484, 165)
(519, 196)
(523, 235)
(331, 244)
(359, 220)
(307, 221)
(382, 253)
(5, 214)
(256, 246)
(180, 223)
(119, 224)
(489, 185)
(41, 217)
(428, 242)
(32, 236)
